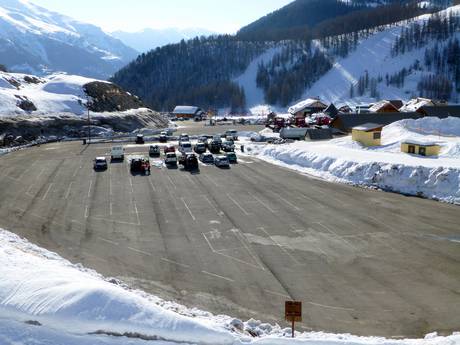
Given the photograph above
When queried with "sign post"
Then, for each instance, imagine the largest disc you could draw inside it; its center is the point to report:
(293, 313)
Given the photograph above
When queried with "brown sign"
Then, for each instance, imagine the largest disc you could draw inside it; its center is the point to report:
(293, 311)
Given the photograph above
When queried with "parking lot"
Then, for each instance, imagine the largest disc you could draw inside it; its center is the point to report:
(241, 241)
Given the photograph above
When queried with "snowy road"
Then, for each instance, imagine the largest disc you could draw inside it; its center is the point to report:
(242, 241)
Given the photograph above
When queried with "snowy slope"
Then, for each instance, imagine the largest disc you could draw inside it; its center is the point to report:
(35, 40)
(67, 304)
(373, 55)
(342, 160)
(255, 95)
(57, 93)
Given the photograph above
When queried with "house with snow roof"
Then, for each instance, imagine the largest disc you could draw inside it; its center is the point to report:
(307, 107)
(188, 112)
(383, 107)
(416, 105)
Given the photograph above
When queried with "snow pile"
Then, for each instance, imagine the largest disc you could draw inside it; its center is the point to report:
(40, 285)
(44, 299)
(383, 167)
(57, 93)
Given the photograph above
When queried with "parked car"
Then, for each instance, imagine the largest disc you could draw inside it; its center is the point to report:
(169, 148)
(100, 163)
(185, 147)
(207, 158)
(217, 139)
(200, 148)
(163, 137)
(140, 165)
(154, 151)
(117, 153)
(233, 133)
(232, 158)
(228, 146)
(171, 158)
(221, 162)
(183, 137)
(203, 139)
(191, 162)
(140, 139)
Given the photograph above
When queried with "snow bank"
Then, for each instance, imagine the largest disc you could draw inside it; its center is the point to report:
(68, 303)
(38, 284)
(384, 167)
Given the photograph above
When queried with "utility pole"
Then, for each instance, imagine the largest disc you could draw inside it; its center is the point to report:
(89, 120)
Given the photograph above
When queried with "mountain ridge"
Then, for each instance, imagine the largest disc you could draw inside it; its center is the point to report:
(38, 41)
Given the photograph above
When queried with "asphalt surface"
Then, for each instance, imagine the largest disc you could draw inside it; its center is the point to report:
(242, 241)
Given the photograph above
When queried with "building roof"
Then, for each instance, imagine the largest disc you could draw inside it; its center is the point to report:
(346, 122)
(442, 111)
(319, 133)
(367, 127)
(308, 103)
(420, 142)
(186, 109)
(415, 104)
(376, 107)
(397, 103)
(331, 110)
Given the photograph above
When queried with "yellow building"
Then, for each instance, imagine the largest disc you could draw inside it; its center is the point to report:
(368, 134)
(421, 148)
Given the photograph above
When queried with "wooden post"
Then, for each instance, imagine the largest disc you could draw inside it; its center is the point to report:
(293, 327)
(293, 313)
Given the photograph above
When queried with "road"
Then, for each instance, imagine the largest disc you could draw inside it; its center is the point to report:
(242, 241)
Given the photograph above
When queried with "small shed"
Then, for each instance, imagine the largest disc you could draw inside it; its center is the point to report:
(422, 148)
(368, 134)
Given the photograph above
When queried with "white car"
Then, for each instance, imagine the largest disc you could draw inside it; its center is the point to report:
(221, 162)
(185, 147)
(171, 158)
(117, 152)
(100, 163)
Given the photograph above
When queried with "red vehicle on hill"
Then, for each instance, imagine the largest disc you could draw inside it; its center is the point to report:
(169, 148)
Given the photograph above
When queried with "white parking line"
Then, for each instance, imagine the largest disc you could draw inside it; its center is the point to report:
(219, 213)
(41, 173)
(48, 190)
(111, 209)
(139, 251)
(277, 294)
(151, 185)
(89, 189)
(174, 262)
(137, 214)
(287, 202)
(218, 276)
(263, 203)
(212, 181)
(171, 180)
(68, 190)
(336, 235)
(237, 204)
(131, 184)
(86, 211)
(280, 246)
(108, 241)
(188, 209)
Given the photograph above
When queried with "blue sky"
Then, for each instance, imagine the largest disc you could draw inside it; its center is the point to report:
(216, 15)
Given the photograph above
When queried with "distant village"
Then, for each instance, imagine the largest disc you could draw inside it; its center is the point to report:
(314, 119)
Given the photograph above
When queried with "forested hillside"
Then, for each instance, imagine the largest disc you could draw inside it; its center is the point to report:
(308, 37)
(198, 71)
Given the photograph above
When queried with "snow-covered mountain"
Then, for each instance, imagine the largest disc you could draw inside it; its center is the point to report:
(411, 58)
(148, 39)
(35, 40)
(23, 94)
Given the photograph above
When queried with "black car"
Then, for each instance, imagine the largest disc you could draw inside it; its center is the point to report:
(228, 146)
(140, 166)
(215, 146)
(189, 161)
(232, 157)
(163, 137)
(140, 139)
(154, 151)
(207, 158)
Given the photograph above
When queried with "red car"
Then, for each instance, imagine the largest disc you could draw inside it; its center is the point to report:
(170, 148)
